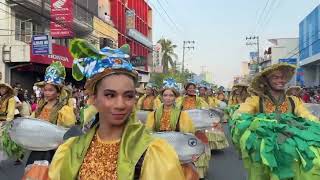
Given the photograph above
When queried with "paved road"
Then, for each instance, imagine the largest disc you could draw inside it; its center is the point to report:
(225, 165)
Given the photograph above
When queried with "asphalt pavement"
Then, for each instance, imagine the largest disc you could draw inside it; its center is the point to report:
(226, 164)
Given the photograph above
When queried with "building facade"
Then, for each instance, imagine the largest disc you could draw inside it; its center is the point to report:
(309, 48)
(103, 23)
(133, 20)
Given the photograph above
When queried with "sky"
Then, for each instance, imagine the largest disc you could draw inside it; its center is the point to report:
(219, 29)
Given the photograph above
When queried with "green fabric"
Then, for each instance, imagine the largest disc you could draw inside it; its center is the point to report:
(174, 117)
(134, 142)
(285, 147)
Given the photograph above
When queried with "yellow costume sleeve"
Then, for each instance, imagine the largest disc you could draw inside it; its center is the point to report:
(11, 108)
(302, 111)
(55, 167)
(66, 117)
(203, 103)
(161, 163)
(140, 101)
(179, 101)
(150, 121)
(251, 106)
(89, 113)
(214, 102)
(156, 103)
(33, 115)
(71, 102)
(185, 123)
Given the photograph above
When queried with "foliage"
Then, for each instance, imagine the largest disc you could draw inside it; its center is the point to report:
(168, 54)
(180, 77)
(9, 146)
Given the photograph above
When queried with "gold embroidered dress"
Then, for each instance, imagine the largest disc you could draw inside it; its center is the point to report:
(100, 161)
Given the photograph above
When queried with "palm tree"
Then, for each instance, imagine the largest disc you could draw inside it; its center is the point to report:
(168, 54)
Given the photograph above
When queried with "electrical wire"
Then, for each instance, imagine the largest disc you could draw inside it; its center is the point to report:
(161, 16)
(260, 16)
(169, 17)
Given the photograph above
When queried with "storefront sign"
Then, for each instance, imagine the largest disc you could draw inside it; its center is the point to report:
(140, 37)
(62, 18)
(41, 45)
(289, 61)
(59, 53)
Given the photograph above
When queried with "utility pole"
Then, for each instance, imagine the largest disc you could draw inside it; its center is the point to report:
(186, 45)
(258, 47)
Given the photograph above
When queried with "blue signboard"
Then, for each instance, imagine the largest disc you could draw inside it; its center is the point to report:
(300, 77)
(41, 45)
(289, 61)
(253, 55)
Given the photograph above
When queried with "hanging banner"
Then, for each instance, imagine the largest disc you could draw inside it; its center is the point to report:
(62, 18)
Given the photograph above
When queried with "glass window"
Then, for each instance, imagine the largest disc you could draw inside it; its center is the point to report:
(18, 29)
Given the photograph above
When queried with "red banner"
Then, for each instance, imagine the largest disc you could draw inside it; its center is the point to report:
(62, 18)
(59, 53)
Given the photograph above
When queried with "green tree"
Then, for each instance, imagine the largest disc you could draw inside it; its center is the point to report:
(181, 77)
(168, 54)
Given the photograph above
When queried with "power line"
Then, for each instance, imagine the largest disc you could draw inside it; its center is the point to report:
(172, 21)
(260, 16)
(271, 15)
(263, 21)
(161, 16)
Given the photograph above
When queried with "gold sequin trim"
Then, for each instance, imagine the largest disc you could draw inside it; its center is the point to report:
(148, 102)
(165, 121)
(100, 161)
(271, 108)
(189, 103)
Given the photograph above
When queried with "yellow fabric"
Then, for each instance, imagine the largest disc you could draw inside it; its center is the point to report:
(55, 166)
(185, 122)
(199, 103)
(156, 102)
(10, 109)
(302, 111)
(66, 117)
(71, 102)
(89, 113)
(213, 102)
(251, 105)
(160, 155)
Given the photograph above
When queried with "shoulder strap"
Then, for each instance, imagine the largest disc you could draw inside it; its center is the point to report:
(293, 105)
(261, 104)
(138, 167)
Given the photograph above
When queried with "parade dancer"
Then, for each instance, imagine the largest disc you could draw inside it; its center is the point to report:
(116, 146)
(7, 103)
(216, 136)
(54, 107)
(191, 101)
(269, 87)
(150, 101)
(169, 117)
